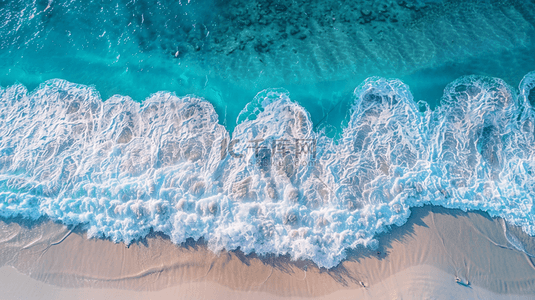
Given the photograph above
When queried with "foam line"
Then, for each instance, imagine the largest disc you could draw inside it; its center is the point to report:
(121, 169)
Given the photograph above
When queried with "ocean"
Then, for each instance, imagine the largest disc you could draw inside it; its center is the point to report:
(277, 127)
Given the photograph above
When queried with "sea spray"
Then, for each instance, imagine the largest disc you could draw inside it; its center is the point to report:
(275, 185)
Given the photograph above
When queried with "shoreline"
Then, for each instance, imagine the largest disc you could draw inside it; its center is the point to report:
(470, 245)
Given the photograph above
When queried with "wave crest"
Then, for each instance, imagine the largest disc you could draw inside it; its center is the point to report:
(276, 186)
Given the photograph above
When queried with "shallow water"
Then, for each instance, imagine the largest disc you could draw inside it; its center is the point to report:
(322, 165)
(227, 51)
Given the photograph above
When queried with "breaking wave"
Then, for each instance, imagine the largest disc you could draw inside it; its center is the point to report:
(276, 186)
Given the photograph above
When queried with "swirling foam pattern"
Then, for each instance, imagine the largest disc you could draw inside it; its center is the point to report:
(122, 169)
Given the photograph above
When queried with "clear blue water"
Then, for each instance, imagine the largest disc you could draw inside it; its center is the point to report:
(97, 128)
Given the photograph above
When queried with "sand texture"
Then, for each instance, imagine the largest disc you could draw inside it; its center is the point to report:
(417, 260)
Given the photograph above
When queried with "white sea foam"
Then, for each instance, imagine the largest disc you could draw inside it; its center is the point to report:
(275, 186)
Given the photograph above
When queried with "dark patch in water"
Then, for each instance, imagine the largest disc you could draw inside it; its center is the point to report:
(531, 97)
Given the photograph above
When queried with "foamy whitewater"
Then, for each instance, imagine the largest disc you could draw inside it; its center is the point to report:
(120, 168)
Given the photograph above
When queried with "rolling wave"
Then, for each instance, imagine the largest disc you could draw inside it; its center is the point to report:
(276, 185)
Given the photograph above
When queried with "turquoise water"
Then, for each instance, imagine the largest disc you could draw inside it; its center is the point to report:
(110, 165)
(214, 49)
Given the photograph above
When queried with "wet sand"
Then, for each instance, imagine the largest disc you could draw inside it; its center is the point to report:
(46, 260)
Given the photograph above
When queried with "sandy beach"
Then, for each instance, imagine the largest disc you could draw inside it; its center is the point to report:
(229, 149)
(421, 259)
